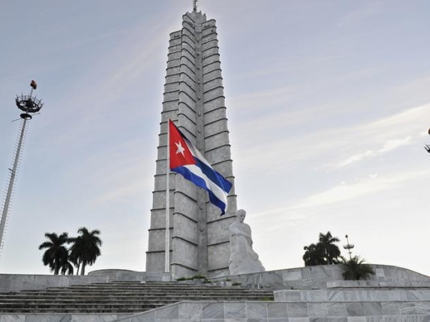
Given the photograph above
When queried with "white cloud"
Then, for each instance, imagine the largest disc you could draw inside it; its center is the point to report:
(388, 146)
(394, 144)
(345, 192)
(357, 157)
(333, 148)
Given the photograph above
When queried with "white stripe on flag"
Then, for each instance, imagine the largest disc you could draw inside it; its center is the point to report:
(216, 190)
(196, 153)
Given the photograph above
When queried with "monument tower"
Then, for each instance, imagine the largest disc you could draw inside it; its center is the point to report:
(194, 100)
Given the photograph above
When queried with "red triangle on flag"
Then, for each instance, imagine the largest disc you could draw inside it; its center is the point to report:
(180, 154)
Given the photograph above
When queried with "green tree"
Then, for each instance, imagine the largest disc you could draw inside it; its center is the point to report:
(356, 269)
(327, 245)
(313, 255)
(56, 254)
(325, 252)
(85, 248)
(67, 265)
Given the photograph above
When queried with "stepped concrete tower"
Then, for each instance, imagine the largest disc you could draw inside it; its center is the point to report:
(194, 100)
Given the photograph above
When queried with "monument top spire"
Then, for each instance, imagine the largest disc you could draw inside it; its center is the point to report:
(195, 5)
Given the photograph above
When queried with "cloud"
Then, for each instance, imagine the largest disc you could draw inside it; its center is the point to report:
(330, 148)
(389, 145)
(394, 144)
(356, 158)
(344, 192)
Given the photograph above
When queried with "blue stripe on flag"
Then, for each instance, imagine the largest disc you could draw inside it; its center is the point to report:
(214, 176)
(198, 181)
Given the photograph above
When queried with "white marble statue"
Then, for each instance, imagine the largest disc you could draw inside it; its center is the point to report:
(243, 259)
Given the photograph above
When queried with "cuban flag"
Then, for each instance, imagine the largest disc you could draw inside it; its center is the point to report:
(188, 161)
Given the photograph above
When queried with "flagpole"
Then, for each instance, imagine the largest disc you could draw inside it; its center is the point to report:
(167, 250)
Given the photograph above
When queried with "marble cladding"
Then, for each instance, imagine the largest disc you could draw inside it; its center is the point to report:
(173, 68)
(181, 247)
(323, 276)
(170, 95)
(213, 83)
(214, 104)
(216, 127)
(150, 317)
(209, 44)
(213, 93)
(159, 200)
(209, 37)
(220, 232)
(188, 112)
(354, 295)
(155, 261)
(16, 282)
(253, 311)
(218, 256)
(212, 142)
(171, 64)
(60, 317)
(185, 228)
(406, 298)
(157, 239)
(210, 67)
(186, 54)
(160, 182)
(212, 74)
(179, 270)
(276, 311)
(169, 109)
(219, 154)
(187, 46)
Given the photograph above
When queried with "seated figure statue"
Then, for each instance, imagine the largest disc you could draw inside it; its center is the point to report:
(243, 259)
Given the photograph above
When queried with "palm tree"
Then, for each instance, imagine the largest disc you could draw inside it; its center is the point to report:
(85, 248)
(355, 269)
(56, 253)
(330, 250)
(313, 255)
(67, 265)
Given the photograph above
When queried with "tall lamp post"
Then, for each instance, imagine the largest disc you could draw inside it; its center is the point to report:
(348, 246)
(28, 104)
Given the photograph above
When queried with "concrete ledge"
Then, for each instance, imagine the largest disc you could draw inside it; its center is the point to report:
(389, 294)
(60, 317)
(248, 311)
(18, 282)
(319, 277)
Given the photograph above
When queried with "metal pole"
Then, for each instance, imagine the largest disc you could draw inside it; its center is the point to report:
(11, 183)
(348, 247)
(167, 250)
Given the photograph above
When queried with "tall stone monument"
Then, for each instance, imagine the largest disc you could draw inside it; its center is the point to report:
(194, 100)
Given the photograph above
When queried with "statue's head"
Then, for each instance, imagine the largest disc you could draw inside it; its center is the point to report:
(241, 214)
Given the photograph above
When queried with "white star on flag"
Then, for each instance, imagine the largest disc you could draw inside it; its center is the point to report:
(180, 149)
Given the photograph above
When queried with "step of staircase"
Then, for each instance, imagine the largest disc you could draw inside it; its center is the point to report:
(120, 297)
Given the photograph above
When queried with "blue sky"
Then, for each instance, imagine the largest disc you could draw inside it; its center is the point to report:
(328, 106)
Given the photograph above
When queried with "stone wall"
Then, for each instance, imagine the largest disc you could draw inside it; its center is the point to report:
(18, 282)
(286, 312)
(317, 277)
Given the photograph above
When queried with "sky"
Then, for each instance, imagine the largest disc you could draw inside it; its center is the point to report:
(328, 107)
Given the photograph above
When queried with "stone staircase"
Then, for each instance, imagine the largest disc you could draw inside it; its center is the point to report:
(120, 297)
